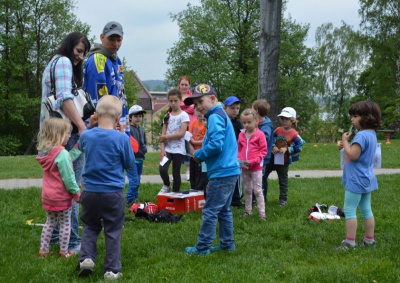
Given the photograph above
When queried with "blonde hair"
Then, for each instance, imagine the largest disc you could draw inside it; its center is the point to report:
(109, 106)
(248, 112)
(52, 133)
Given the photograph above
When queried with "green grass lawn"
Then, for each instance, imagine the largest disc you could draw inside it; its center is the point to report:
(285, 248)
(322, 157)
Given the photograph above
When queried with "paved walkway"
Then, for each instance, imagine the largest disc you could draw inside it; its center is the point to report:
(27, 183)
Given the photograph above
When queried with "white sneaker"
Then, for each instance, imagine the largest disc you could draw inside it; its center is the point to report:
(164, 189)
(86, 267)
(187, 176)
(109, 275)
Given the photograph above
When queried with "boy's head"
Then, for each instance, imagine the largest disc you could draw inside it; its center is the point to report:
(204, 98)
(109, 107)
(136, 114)
(232, 106)
(262, 107)
(288, 113)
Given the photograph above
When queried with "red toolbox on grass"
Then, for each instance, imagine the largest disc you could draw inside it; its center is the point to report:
(179, 202)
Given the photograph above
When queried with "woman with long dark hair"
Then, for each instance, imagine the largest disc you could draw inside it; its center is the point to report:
(68, 72)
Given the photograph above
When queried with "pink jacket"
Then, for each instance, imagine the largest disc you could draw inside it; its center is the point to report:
(59, 185)
(252, 150)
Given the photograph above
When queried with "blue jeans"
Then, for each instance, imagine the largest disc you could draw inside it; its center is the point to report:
(78, 164)
(217, 208)
(133, 189)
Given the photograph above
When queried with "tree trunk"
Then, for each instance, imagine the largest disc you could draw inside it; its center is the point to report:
(269, 50)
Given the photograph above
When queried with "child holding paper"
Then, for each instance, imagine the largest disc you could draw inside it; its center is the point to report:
(286, 149)
(172, 141)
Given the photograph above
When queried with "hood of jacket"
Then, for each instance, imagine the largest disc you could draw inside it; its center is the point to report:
(98, 48)
(47, 160)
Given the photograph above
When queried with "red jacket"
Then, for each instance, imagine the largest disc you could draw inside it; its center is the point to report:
(59, 185)
(253, 149)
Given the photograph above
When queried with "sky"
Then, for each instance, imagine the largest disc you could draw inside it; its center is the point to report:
(149, 31)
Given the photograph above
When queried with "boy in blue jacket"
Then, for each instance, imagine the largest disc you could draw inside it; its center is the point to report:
(265, 125)
(219, 151)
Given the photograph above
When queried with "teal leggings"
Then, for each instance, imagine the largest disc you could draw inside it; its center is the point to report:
(352, 200)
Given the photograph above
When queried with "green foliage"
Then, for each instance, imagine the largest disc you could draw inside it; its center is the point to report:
(226, 56)
(31, 32)
(340, 57)
(295, 249)
(156, 128)
(9, 145)
(381, 80)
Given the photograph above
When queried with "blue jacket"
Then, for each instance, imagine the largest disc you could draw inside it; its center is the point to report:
(219, 150)
(268, 129)
(104, 74)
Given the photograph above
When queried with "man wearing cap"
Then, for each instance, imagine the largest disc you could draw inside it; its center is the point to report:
(104, 73)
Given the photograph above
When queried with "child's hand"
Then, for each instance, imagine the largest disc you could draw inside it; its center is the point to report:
(283, 149)
(163, 138)
(162, 154)
(346, 136)
(247, 164)
(77, 197)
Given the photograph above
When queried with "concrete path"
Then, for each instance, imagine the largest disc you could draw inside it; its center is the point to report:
(27, 183)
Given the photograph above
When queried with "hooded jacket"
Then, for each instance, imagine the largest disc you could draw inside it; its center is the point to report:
(59, 185)
(219, 150)
(252, 149)
(268, 129)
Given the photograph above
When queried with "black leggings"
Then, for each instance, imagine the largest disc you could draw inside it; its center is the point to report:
(177, 160)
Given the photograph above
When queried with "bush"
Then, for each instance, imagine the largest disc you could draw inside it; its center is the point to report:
(9, 145)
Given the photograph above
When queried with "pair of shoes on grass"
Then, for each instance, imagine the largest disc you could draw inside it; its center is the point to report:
(345, 246)
(86, 267)
(217, 248)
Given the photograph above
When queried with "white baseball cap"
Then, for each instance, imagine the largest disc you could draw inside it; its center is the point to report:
(136, 109)
(288, 112)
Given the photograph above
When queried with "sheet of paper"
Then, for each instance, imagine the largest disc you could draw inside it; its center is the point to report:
(279, 159)
(163, 161)
(188, 135)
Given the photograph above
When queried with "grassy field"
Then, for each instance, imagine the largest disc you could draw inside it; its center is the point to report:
(314, 156)
(285, 248)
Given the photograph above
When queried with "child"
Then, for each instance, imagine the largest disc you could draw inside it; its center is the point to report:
(172, 141)
(198, 130)
(136, 117)
(108, 152)
(252, 148)
(232, 107)
(219, 151)
(286, 141)
(261, 106)
(359, 178)
(59, 185)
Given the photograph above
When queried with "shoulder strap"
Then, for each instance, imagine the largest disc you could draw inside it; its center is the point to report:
(52, 78)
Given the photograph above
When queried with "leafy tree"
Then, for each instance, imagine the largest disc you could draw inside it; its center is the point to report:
(226, 56)
(381, 80)
(30, 32)
(340, 58)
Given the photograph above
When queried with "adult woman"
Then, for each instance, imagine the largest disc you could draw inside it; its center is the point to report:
(68, 71)
(184, 87)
